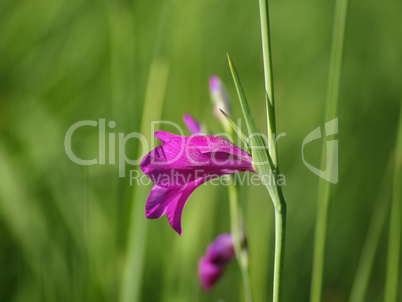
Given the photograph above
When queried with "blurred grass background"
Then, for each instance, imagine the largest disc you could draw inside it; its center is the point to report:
(65, 228)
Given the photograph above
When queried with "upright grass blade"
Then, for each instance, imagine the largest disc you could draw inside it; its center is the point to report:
(263, 164)
(21, 214)
(122, 64)
(261, 158)
(395, 224)
(236, 220)
(377, 223)
(324, 186)
(132, 274)
(131, 284)
(250, 122)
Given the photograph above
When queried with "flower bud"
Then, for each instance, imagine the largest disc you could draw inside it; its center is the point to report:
(218, 254)
(192, 124)
(208, 273)
(220, 101)
(221, 250)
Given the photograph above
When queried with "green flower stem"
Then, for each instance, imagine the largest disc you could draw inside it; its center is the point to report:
(324, 186)
(277, 197)
(269, 82)
(280, 231)
(395, 224)
(239, 238)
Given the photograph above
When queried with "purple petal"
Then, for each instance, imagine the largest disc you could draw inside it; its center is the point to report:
(158, 202)
(191, 123)
(164, 136)
(220, 100)
(182, 159)
(170, 201)
(215, 84)
(217, 256)
(208, 273)
(216, 145)
(221, 250)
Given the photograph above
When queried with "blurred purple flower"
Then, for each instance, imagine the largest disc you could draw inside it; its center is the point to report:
(183, 163)
(208, 273)
(192, 124)
(218, 254)
(220, 100)
(221, 250)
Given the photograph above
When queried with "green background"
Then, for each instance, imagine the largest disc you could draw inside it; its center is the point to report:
(69, 232)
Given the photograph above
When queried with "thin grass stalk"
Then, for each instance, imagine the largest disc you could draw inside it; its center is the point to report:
(377, 223)
(133, 270)
(324, 186)
(236, 229)
(122, 63)
(395, 224)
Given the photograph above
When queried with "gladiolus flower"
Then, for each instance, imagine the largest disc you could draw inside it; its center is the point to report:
(183, 163)
(192, 124)
(218, 254)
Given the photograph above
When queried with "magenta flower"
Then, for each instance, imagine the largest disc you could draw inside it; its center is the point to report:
(183, 163)
(218, 254)
(192, 124)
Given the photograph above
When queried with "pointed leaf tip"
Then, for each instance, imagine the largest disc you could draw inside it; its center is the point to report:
(261, 158)
(238, 130)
